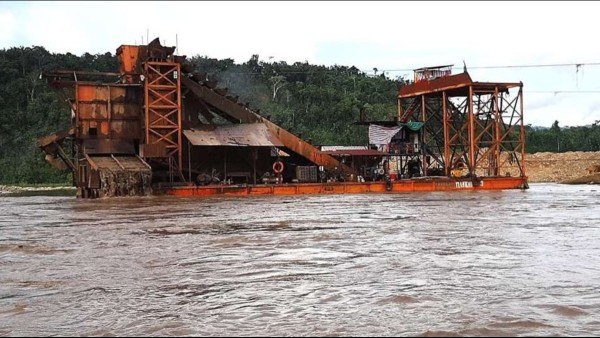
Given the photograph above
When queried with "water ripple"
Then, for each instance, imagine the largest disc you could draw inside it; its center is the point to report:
(420, 264)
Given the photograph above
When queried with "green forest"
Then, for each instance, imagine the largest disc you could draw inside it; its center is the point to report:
(316, 102)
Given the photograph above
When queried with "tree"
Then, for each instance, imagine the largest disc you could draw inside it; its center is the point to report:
(278, 82)
(556, 132)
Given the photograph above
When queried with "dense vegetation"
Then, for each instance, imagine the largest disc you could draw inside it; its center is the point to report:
(317, 102)
(30, 109)
(559, 140)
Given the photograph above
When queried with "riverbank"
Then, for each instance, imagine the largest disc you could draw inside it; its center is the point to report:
(559, 167)
(36, 189)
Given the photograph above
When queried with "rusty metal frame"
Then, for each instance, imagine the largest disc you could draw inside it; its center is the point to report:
(483, 127)
(162, 95)
(456, 126)
(510, 139)
(433, 127)
(474, 122)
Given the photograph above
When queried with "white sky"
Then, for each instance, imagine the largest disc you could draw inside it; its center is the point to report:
(385, 35)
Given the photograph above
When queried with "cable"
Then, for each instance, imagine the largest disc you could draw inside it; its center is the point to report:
(475, 67)
(412, 69)
(542, 65)
(511, 66)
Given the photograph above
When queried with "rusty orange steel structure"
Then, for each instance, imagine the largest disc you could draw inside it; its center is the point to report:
(468, 122)
(153, 128)
(402, 186)
(163, 109)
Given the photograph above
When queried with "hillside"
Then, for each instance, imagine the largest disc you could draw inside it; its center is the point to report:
(318, 103)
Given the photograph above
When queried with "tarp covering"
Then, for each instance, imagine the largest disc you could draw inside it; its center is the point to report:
(381, 135)
(414, 126)
(238, 135)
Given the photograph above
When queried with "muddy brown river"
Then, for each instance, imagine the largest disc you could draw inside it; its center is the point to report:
(444, 263)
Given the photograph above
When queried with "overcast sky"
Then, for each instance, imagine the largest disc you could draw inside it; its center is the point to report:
(383, 35)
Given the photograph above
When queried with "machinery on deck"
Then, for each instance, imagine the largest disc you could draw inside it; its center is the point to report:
(158, 125)
(153, 123)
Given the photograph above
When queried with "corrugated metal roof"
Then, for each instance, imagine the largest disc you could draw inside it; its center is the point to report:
(116, 163)
(236, 135)
(458, 84)
(437, 85)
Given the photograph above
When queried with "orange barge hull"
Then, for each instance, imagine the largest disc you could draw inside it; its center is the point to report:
(402, 186)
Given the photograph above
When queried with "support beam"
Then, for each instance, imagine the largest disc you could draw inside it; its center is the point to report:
(471, 133)
(447, 160)
(63, 156)
(522, 141)
(497, 145)
(423, 135)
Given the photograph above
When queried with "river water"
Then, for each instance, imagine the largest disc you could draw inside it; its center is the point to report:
(444, 263)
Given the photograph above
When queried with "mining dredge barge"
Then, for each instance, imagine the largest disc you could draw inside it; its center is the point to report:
(158, 126)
